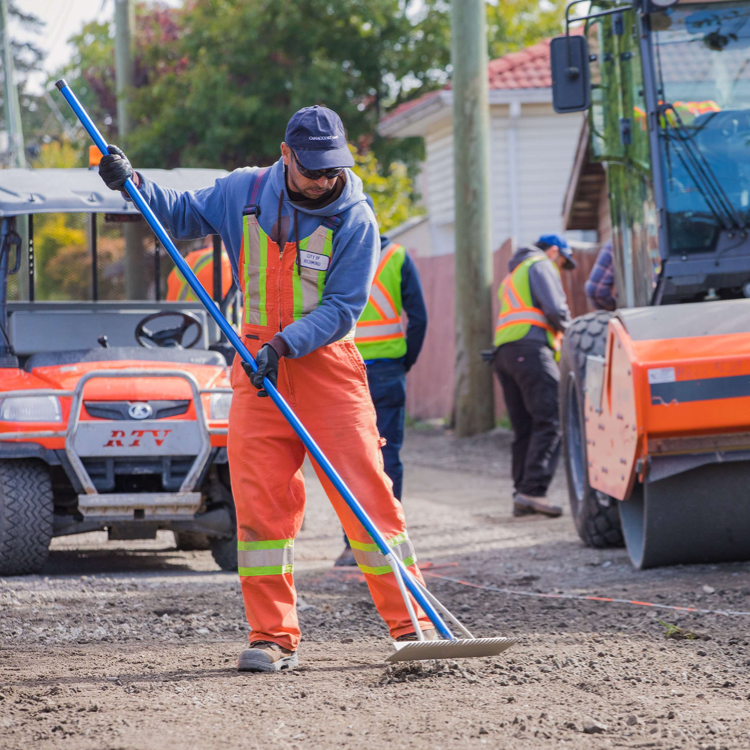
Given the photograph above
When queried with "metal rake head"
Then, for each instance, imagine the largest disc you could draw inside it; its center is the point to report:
(462, 648)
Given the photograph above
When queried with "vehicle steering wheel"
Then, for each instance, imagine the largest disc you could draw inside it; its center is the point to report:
(169, 338)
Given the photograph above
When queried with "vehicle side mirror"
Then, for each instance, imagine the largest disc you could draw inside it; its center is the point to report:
(569, 60)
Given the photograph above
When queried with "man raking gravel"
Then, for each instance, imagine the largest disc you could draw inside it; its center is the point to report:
(302, 298)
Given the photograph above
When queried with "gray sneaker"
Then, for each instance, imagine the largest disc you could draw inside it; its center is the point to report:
(266, 656)
(523, 504)
(346, 559)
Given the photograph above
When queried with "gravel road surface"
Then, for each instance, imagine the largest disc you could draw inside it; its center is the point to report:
(133, 645)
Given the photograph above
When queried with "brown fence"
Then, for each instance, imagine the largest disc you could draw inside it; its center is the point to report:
(429, 392)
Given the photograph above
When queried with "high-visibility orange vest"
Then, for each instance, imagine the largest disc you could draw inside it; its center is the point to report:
(202, 264)
(517, 311)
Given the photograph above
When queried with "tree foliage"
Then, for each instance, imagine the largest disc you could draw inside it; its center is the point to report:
(217, 80)
(513, 25)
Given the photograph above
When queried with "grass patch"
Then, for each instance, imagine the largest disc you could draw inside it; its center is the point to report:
(676, 633)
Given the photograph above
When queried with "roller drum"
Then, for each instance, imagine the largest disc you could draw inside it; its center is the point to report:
(698, 516)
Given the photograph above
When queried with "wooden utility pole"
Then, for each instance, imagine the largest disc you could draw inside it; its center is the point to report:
(474, 403)
(136, 280)
(12, 108)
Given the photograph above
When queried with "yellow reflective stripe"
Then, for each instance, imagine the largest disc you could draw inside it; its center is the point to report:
(372, 561)
(308, 283)
(382, 329)
(383, 569)
(525, 316)
(265, 557)
(377, 296)
(274, 570)
(372, 547)
(512, 296)
(266, 544)
(255, 271)
(186, 293)
(262, 275)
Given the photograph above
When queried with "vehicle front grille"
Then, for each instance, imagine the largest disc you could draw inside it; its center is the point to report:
(119, 409)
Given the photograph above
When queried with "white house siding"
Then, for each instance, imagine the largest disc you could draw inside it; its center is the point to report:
(500, 214)
(546, 149)
(531, 138)
(438, 171)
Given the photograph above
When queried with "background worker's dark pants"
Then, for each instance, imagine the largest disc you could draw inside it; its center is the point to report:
(530, 377)
(387, 381)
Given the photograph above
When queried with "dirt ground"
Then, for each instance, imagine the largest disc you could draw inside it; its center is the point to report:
(126, 646)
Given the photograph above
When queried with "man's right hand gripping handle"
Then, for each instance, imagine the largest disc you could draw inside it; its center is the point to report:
(115, 169)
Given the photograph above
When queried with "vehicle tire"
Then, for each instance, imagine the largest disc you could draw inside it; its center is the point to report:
(224, 549)
(26, 513)
(596, 515)
(224, 552)
(191, 541)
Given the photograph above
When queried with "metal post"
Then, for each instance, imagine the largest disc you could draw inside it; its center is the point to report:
(31, 256)
(6, 226)
(135, 257)
(157, 270)
(474, 402)
(93, 239)
(124, 71)
(10, 96)
(218, 269)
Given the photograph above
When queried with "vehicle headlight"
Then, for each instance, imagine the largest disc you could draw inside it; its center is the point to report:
(31, 409)
(220, 403)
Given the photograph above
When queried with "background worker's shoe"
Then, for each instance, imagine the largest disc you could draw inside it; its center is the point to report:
(345, 559)
(532, 504)
(520, 509)
(265, 656)
(429, 635)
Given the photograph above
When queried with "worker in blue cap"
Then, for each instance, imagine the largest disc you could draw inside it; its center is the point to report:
(533, 317)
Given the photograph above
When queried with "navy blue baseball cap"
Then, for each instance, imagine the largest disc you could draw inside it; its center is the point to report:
(562, 245)
(317, 136)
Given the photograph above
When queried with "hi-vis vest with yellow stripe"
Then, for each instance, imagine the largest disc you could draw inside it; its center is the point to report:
(380, 333)
(266, 274)
(517, 311)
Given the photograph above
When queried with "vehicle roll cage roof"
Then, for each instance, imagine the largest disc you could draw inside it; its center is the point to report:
(47, 191)
(26, 192)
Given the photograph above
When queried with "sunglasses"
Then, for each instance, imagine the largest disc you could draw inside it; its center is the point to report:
(316, 174)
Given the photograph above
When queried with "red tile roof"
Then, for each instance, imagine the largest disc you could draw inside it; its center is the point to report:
(527, 69)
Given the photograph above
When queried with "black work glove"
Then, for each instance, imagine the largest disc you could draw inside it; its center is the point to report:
(268, 367)
(488, 355)
(115, 169)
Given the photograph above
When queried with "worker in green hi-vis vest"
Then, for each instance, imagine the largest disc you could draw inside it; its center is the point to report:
(533, 317)
(389, 352)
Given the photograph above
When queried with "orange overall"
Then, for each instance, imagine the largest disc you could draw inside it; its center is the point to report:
(328, 391)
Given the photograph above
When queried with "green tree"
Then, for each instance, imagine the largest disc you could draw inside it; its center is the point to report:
(513, 25)
(392, 193)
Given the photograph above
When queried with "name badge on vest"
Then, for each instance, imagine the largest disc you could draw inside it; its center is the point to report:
(315, 261)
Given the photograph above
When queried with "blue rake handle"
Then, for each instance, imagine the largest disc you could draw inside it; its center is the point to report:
(242, 350)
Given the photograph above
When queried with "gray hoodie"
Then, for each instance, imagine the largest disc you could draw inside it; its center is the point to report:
(547, 292)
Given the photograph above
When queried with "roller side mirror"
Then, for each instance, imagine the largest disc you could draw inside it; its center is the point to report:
(569, 61)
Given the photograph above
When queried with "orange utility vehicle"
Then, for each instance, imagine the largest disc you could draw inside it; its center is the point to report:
(113, 412)
(655, 397)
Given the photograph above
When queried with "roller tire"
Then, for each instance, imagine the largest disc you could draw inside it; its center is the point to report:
(26, 517)
(596, 516)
